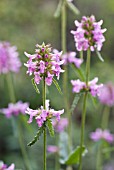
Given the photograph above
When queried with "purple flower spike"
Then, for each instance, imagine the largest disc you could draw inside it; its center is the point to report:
(41, 115)
(44, 63)
(88, 34)
(9, 60)
(102, 134)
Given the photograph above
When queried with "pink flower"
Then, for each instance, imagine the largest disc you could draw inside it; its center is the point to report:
(92, 87)
(44, 63)
(88, 34)
(41, 115)
(5, 167)
(52, 149)
(14, 109)
(9, 60)
(107, 94)
(102, 134)
(61, 125)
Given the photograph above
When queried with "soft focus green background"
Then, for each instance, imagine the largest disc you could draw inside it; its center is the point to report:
(25, 23)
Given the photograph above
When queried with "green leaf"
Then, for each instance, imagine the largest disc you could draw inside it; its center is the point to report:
(50, 127)
(75, 101)
(73, 8)
(58, 10)
(79, 73)
(74, 156)
(99, 56)
(36, 138)
(57, 86)
(35, 86)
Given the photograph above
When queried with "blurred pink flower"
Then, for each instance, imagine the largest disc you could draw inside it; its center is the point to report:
(5, 167)
(88, 34)
(61, 125)
(9, 60)
(52, 148)
(107, 94)
(102, 134)
(14, 109)
(41, 115)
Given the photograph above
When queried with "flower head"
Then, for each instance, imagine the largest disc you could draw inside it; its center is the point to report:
(14, 109)
(107, 94)
(52, 149)
(102, 134)
(9, 60)
(61, 125)
(88, 34)
(5, 167)
(44, 63)
(41, 115)
(92, 87)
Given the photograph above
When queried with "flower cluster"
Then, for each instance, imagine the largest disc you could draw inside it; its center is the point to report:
(44, 63)
(41, 115)
(88, 34)
(92, 87)
(9, 60)
(107, 94)
(5, 167)
(52, 148)
(14, 109)
(61, 125)
(102, 134)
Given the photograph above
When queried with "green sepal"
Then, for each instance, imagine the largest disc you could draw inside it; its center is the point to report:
(50, 127)
(73, 158)
(36, 138)
(58, 10)
(35, 85)
(73, 8)
(57, 86)
(75, 102)
(99, 56)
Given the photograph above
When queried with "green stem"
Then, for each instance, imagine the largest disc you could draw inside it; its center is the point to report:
(44, 106)
(20, 138)
(105, 117)
(84, 108)
(65, 76)
(99, 158)
(57, 164)
(82, 129)
(81, 55)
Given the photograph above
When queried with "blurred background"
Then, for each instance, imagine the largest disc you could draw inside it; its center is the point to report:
(25, 23)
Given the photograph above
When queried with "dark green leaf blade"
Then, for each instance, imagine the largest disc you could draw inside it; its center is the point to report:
(58, 10)
(73, 8)
(74, 156)
(50, 127)
(35, 86)
(99, 56)
(57, 86)
(36, 138)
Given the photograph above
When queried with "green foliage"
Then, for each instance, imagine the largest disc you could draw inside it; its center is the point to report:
(99, 56)
(50, 127)
(35, 85)
(36, 138)
(75, 102)
(73, 8)
(73, 158)
(58, 10)
(57, 86)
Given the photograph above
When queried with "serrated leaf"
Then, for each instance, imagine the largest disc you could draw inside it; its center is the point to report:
(73, 8)
(99, 56)
(35, 86)
(74, 156)
(57, 86)
(50, 127)
(75, 101)
(58, 10)
(36, 138)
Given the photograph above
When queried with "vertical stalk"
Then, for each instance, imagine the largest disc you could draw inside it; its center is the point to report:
(44, 106)
(81, 55)
(99, 158)
(84, 108)
(65, 76)
(20, 138)
(105, 117)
